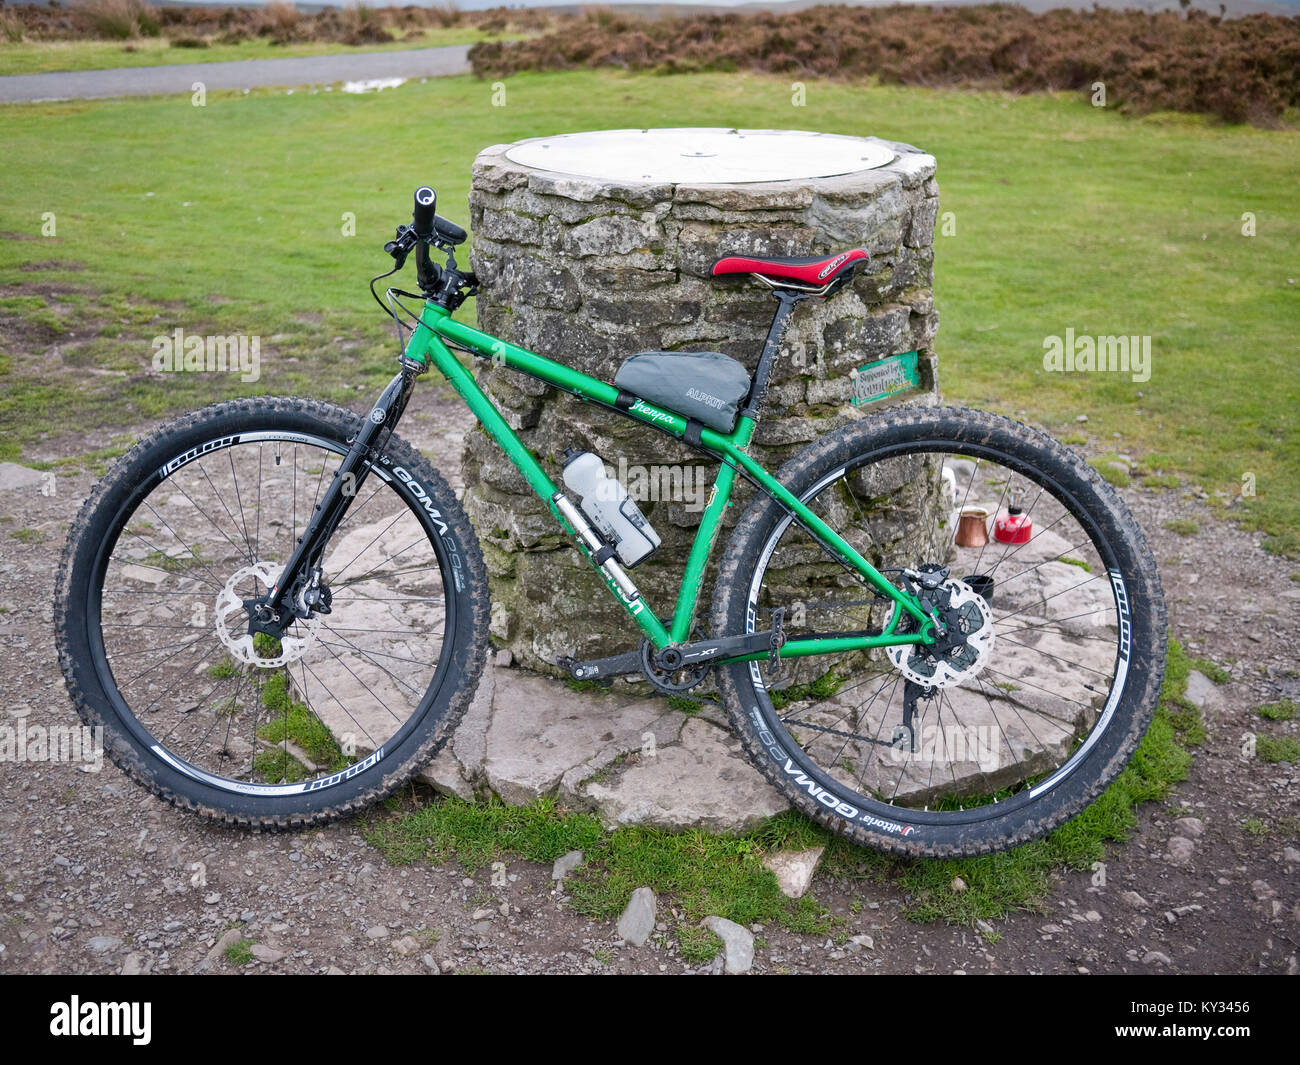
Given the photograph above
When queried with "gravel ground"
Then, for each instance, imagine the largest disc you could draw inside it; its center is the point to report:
(100, 877)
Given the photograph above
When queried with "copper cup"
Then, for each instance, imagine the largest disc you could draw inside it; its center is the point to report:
(972, 527)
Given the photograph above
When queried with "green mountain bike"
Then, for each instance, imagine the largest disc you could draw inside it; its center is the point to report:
(935, 630)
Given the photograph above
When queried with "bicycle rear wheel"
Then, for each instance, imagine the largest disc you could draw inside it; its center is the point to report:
(1035, 700)
(196, 521)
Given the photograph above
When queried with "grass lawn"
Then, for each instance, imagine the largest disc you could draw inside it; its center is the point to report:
(41, 57)
(1066, 217)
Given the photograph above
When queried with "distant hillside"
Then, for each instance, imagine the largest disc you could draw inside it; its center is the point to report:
(1243, 69)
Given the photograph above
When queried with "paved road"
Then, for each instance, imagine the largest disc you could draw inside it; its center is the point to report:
(240, 74)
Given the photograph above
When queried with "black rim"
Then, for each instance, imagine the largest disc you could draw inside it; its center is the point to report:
(144, 737)
(889, 817)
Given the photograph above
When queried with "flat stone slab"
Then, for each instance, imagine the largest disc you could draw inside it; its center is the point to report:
(702, 782)
(703, 155)
(626, 758)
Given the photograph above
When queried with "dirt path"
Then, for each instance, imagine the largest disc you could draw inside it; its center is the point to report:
(240, 74)
(101, 877)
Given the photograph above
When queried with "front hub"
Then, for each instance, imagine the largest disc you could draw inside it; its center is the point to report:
(240, 620)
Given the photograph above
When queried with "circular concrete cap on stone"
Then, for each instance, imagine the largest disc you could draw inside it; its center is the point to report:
(701, 156)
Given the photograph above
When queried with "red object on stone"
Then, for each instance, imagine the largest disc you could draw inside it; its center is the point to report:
(1013, 527)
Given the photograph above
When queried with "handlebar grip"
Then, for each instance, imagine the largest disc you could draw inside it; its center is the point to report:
(426, 201)
(448, 230)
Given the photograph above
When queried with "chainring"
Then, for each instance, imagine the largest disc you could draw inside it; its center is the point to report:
(664, 680)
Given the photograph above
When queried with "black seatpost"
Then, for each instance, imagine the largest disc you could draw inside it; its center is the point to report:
(786, 300)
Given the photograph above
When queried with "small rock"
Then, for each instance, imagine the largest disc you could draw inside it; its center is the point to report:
(228, 938)
(1202, 692)
(431, 963)
(377, 932)
(565, 864)
(794, 870)
(505, 659)
(737, 943)
(958, 884)
(1291, 856)
(134, 965)
(266, 955)
(1132, 898)
(1092, 917)
(638, 919)
(481, 914)
(1154, 957)
(406, 946)
(103, 944)
(862, 942)
(1263, 890)
(334, 970)
(1181, 850)
(1191, 827)
(16, 478)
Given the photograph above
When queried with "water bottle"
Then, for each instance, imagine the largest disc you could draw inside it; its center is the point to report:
(605, 502)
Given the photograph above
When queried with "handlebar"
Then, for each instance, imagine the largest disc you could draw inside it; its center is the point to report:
(429, 225)
(423, 216)
(448, 285)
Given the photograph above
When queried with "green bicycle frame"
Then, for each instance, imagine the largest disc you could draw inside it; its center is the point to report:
(427, 345)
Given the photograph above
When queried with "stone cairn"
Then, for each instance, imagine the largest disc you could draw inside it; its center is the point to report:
(589, 272)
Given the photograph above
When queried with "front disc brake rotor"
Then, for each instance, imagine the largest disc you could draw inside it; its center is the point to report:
(232, 621)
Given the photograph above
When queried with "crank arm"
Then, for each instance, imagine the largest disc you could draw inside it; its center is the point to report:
(720, 650)
(613, 666)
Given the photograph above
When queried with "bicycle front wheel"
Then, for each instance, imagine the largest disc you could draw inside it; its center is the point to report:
(152, 616)
(1052, 661)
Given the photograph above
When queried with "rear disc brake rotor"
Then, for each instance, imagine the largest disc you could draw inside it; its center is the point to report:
(959, 655)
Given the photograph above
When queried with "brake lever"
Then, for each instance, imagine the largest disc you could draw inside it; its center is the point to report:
(402, 245)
